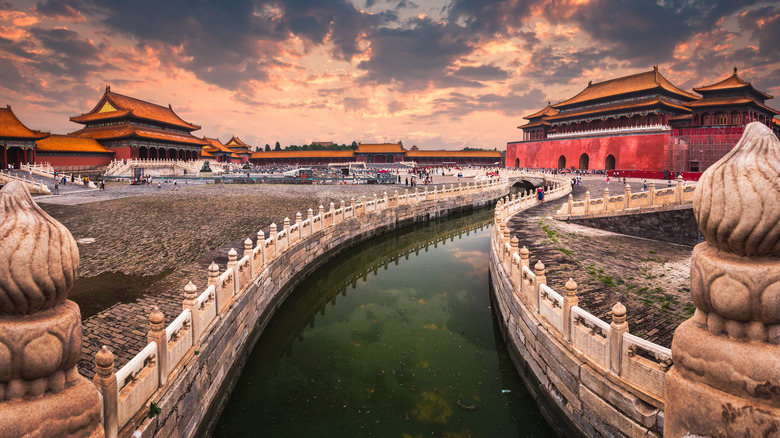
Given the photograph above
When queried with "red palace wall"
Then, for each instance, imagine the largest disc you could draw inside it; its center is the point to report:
(640, 152)
(74, 161)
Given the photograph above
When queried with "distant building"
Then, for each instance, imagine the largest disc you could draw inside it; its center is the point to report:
(17, 140)
(134, 128)
(218, 152)
(67, 152)
(378, 153)
(640, 123)
(242, 150)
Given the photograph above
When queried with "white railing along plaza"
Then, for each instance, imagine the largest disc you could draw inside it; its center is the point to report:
(609, 347)
(47, 171)
(138, 381)
(650, 199)
(32, 186)
(611, 131)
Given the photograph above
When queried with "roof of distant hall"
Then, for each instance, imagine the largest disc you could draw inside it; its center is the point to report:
(303, 154)
(546, 111)
(380, 148)
(114, 105)
(69, 143)
(11, 127)
(645, 81)
(731, 82)
(126, 130)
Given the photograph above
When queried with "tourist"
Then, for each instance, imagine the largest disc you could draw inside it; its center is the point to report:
(56, 186)
(540, 194)
(174, 184)
(644, 185)
(407, 181)
(158, 185)
(102, 184)
(607, 180)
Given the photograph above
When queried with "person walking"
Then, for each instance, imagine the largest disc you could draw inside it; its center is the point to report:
(56, 186)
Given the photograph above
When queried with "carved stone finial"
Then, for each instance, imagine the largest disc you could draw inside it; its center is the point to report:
(156, 317)
(524, 252)
(41, 256)
(748, 176)
(190, 290)
(571, 287)
(104, 362)
(618, 313)
(539, 266)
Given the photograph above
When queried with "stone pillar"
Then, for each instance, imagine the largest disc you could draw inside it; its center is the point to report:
(286, 227)
(569, 300)
(233, 261)
(310, 218)
(272, 233)
(616, 330)
(678, 189)
(726, 375)
(352, 204)
(416, 198)
(105, 382)
(514, 248)
(651, 193)
(43, 393)
(298, 219)
(587, 201)
(571, 204)
(406, 196)
(191, 302)
(332, 213)
(214, 281)
(376, 204)
(321, 212)
(261, 244)
(157, 334)
(627, 200)
(342, 204)
(539, 279)
(248, 252)
(606, 199)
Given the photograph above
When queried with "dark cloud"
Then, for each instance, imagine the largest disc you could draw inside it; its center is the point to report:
(647, 32)
(61, 9)
(550, 66)
(417, 56)
(482, 73)
(516, 103)
(12, 79)
(764, 26)
(226, 43)
(354, 104)
(489, 17)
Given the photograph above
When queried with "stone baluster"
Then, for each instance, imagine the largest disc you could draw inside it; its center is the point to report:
(191, 303)
(386, 201)
(41, 391)
(678, 190)
(651, 193)
(231, 265)
(514, 245)
(106, 384)
(425, 193)
(363, 203)
(342, 206)
(261, 244)
(352, 204)
(616, 330)
(570, 205)
(416, 199)
(395, 195)
(539, 279)
(273, 234)
(587, 201)
(321, 212)
(298, 220)
(310, 218)
(606, 199)
(157, 334)
(406, 196)
(570, 300)
(248, 252)
(627, 203)
(727, 356)
(332, 213)
(376, 203)
(286, 227)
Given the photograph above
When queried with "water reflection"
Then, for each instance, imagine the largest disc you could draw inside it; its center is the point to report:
(411, 350)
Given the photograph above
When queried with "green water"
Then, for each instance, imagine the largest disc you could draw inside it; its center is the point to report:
(395, 338)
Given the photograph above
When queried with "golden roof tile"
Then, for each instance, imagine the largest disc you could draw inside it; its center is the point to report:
(69, 143)
(11, 127)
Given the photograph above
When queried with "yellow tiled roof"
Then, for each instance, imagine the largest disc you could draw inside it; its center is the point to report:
(67, 143)
(303, 154)
(380, 148)
(11, 127)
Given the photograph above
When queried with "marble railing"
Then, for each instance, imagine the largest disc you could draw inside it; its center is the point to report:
(32, 186)
(611, 131)
(125, 167)
(47, 171)
(680, 194)
(529, 306)
(145, 376)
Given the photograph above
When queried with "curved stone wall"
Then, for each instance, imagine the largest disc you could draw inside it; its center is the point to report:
(602, 379)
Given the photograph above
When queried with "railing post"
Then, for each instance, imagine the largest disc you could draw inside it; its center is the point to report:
(678, 190)
(514, 245)
(539, 279)
(406, 196)
(261, 244)
(310, 218)
(298, 220)
(651, 193)
(627, 202)
(616, 330)
(416, 199)
(386, 203)
(191, 302)
(332, 213)
(569, 300)
(231, 265)
(570, 205)
(248, 252)
(376, 203)
(106, 384)
(606, 199)
(587, 201)
(157, 334)
(342, 205)
(321, 211)
(352, 204)
(286, 228)
(213, 281)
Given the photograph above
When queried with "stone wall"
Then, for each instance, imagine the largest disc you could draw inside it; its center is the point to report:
(190, 365)
(674, 224)
(596, 376)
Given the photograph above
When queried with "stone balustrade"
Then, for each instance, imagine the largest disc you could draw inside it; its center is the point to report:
(215, 323)
(32, 186)
(165, 167)
(47, 171)
(612, 131)
(602, 378)
(651, 200)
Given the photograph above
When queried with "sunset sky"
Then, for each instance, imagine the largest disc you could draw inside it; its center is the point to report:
(438, 74)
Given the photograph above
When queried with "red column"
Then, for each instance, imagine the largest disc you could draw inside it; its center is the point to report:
(5, 156)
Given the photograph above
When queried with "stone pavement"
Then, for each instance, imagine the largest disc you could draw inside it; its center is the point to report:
(650, 278)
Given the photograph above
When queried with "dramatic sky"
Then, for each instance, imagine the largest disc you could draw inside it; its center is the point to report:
(438, 74)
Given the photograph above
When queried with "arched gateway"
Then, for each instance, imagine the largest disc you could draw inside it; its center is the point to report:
(609, 163)
(562, 162)
(584, 161)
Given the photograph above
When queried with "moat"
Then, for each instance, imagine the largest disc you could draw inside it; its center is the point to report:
(395, 337)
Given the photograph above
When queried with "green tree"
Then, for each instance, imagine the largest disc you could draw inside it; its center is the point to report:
(267, 147)
(278, 147)
(354, 146)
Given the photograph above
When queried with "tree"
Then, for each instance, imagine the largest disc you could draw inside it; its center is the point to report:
(267, 147)
(354, 145)
(278, 147)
